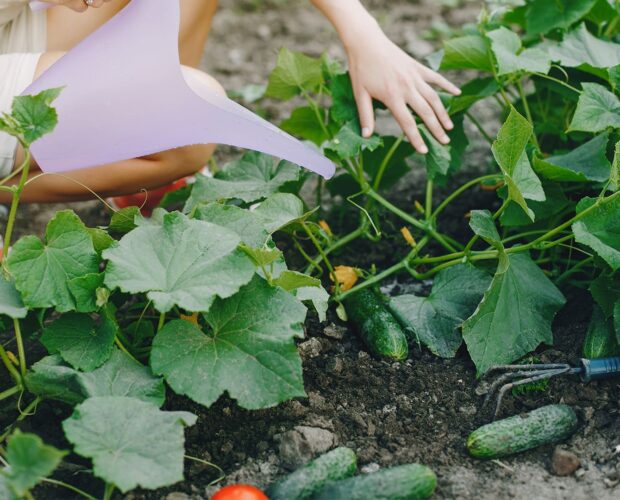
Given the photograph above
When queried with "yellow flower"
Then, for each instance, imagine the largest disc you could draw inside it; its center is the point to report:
(325, 227)
(346, 276)
(192, 319)
(408, 236)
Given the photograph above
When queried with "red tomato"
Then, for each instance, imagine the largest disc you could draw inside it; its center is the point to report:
(148, 201)
(239, 492)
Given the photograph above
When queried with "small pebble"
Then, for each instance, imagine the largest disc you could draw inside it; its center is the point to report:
(564, 462)
(334, 331)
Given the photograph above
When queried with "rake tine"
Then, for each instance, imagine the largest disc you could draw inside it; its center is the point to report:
(538, 366)
(501, 380)
(542, 376)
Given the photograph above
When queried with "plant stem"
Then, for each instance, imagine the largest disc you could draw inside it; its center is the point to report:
(15, 205)
(462, 189)
(21, 353)
(315, 108)
(10, 392)
(324, 257)
(345, 240)
(386, 161)
(479, 126)
(414, 222)
(428, 203)
(575, 269)
(557, 80)
(162, 321)
(10, 366)
(69, 487)
(109, 491)
(528, 113)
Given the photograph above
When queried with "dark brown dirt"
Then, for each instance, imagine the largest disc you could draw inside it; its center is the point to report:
(421, 410)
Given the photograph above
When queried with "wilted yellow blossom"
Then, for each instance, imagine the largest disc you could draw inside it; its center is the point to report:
(346, 276)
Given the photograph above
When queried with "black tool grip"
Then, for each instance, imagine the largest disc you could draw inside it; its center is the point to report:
(595, 369)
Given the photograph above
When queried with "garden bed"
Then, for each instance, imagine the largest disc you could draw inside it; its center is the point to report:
(420, 410)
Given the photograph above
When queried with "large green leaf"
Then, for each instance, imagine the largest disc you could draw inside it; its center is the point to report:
(245, 223)
(544, 15)
(349, 142)
(600, 230)
(509, 152)
(344, 107)
(42, 271)
(511, 57)
(252, 177)
(32, 116)
(132, 443)
(483, 225)
(83, 342)
(183, 262)
(605, 290)
(280, 210)
(467, 52)
(319, 298)
(119, 376)
(11, 303)
(435, 320)
(30, 460)
(396, 165)
(597, 110)
(515, 314)
(555, 202)
(294, 73)
(587, 162)
(581, 47)
(472, 92)
(248, 351)
(304, 123)
(443, 160)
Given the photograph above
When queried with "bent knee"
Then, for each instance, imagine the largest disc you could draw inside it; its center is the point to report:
(184, 161)
(199, 82)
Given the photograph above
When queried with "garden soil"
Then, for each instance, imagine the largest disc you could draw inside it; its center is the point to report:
(421, 410)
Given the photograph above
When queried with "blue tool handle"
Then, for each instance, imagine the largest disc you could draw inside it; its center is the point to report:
(595, 369)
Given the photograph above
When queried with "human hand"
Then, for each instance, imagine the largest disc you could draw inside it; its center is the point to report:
(381, 70)
(77, 5)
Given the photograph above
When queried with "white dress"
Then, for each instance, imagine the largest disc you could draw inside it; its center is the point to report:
(23, 36)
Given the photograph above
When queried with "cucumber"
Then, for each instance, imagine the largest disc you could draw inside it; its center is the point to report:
(405, 482)
(377, 326)
(518, 433)
(600, 341)
(339, 463)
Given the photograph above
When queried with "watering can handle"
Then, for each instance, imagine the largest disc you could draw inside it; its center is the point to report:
(595, 369)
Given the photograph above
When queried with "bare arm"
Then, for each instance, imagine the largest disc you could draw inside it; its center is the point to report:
(381, 70)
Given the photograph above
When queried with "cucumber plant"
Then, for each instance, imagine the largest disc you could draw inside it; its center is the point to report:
(203, 301)
(551, 72)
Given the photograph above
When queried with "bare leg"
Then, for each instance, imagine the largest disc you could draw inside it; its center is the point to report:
(66, 28)
(120, 178)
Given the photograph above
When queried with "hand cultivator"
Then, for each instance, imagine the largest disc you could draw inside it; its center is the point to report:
(518, 375)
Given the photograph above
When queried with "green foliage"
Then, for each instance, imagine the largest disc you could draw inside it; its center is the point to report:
(247, 349)
(184, 262)
(29, 460)
(248, 253)
(44, 270)
(131, 442)
(435, 320)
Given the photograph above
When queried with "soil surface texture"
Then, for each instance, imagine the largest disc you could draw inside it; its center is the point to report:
(421, 410)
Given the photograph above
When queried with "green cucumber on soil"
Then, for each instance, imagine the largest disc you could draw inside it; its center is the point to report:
(379, 329)
(337, 464)
(404, 482)
(600, 341)
(518, 433)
